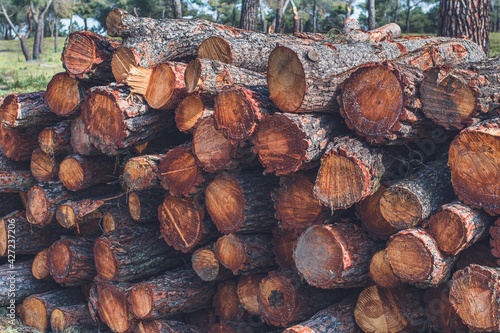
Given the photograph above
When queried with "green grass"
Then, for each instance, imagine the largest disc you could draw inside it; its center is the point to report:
(494, 43)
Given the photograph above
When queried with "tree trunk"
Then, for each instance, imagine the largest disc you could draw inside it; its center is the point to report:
(278, 28)
(314, 17)
(74, 214)
(408, 10)
(190, 110)
(263, 17)
(249, 15)
(226, 302)
(55, 140)
(18, 144)
(116, 218)
(71, 316)
(26, 110)
(471, 18)
(22, 39)
(56, 35)
(396, 12)
(371, 14)
(81, 172)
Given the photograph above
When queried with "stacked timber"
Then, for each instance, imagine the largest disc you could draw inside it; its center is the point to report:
(194, 177)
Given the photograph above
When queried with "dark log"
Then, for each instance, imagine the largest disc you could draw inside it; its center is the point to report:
(43, 200)
(79, 172)
(40, 267)
(116, 218)
(189, 110)
(381, 271)
(248, 291)
(26, 110)
(55, 140)
(64, 95)
(479, 254)
(207, 267)
(10, 202)
(284, 242)
(343, 260)
(112, 306)
(143, 205)
(18, 144)
(14, 177)
(173, 292)
(440, 313)
(226, 302)
(235, 206)
(231, 327)
(166, 326)
(473, 160)
(141, 172)
(44, 167)
(80, 139)
(72, 316)
(203, 318)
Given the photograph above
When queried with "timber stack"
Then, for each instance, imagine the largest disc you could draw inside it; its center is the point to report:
(212, 179)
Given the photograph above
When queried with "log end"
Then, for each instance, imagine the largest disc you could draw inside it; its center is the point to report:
(72, 173)
(66, 217)
(40, 266)
(448, 231)
(63, 95)
(234, 116)
(230, 252)
(192, 76)
(8, 110)
(216, 48)
(409, 258)
(38, 207)
(59, 260)
(35, 314)
(58, 321)
(78, 54)
(188, 112)
(114, 21)
(113, 309)
(179, 173)
(105, 261)
(138, 174)
(206, 266)
(400, 207)
(43, 166)
(381, 272)
(248, 291)
(122, 62)
(161, 86)
(140, 300)
(277, 300)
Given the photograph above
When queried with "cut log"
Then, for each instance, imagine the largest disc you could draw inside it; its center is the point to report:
(55, 140)
(343, 261)
(307, 77)
(248, 290)
(14, 177)
(245, 254)
(440, 313)
(26, 110)
(112, 306)
(74, 214)
(79, 172)
(40, 267)
(284, 242)
(284, 300)
(189, 110)
(44, 167)
(173, 292)
(141, 172)
(117, 120)
(473, 159)
(124, 59)
(38, 308)
(408, 202)
(286, 143)
(457, 226)
(143, 205)
(71, 261)
(226, 302)
(415, 258)
(43, 200)
(22, 285)
(381, 271)
(295, 205)
(18, 144)
(80, 139)
(387, 32)
(390, 310)
(64, 95)
(455, 96)
(337, 318)
(350, 171)
(116, 218)
(235, 206)
(133, 253)
(474, 294)
(76, 316)
(87, 55)
(166, 326)
(207, 267)
(478, 254)
(179, 173)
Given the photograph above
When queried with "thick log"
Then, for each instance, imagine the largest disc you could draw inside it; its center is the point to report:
(133, 253)
(79, 172)
(283, 244)
(456, 96)
(415, 258)
(409, 201)
(141, 172)
(116, 120)
(245, 254)
(38, 308)
(64, 95)
(227, 303)
(166, 326)
(286, 143)
(307, 77)
(74, 214)
(457, 226)
(207, 267)
(112, 306)
(381, 271)
(473, 160)
(18, 144)
(440, 313)
(71, 261)
(143, 205)
(14, 177)
(40, 267)
(66, 317)
(235, 206)
(390, 310)
(248, 290)
(343, 261)
(189, 110)
(350, 171)
(43, 200)
(116, 218)
(80, 139)
(22, 285)
(284, 300)
(26, 110)
(55, 140)
(174, 292)
(44, 167)
(87, 55)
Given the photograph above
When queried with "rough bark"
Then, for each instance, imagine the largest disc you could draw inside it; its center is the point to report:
(141, 172)
(116, 218)
(18, 144)
(495, 239)
(14, 177)
(227, 303)
(26, 110)
(80, 172)
(80, 139)
(55, 140)
(43, 200)
(143, 205)
(75, 214)
(44, 167)
(384, 33)
(207, 267)
(190, 109)
(381, 271)
(249, 15)
(64, 95)
(66, 317)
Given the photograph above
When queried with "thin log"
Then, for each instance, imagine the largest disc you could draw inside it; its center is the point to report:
(189, 110)
(74, 214)
(143, 205)
(43, 200)
(26, 110)
(141, 172)
(226, 302)
(381, 271)
(71, 316)
(79, 172)
(55, 140)
(40, 267)
(14, 177)
(112, 306)
(64, 95)
(44, 167)
(207, 267)
(389, 31)
(116, 218)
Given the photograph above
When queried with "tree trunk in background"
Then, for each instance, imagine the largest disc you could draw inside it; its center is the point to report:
(396, 12)
(85, 25)
(314, 17)
(39, 18)
(263, 17)
(408, 9)
(56, 48)
(177, 9)
(70, 28)
(470, 18)
(234, 16)
(279, 18)
(22, 39)
(371, 14)
(249, 15)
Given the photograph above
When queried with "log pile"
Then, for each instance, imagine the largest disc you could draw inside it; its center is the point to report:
(168, 184)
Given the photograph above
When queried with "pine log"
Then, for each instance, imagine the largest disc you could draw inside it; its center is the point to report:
(116, 120)
(40, 267)
(133, 253)
(122, 62)
(80, 139)
(76, 316)
(141, 172)
(143, 205)
(173, 292)
(74, 214)
(350, 171)
(43, 200)
(343, 260)
(227, 303)
(457, 226)
(474, 294)
(372, 221)
(440, 313)
(79, 172)
(64, 95)
(18, 144)
(390, 310)
(38, 308)
(415, 258)
(387, 32)
(166, 326)
(26, 110)
(381, 271)
(286, 143)
(495, 239)
(409, 201)
(207, 267)
(44, 167)
(116, 218)
(473, 160)
(87, 55)
(307, 77)
(23, 284)
(456, 96)
(284, 242)
(14, 177)
(179, 173)
(337, 318)
(245, 254)
(235, 206)
(248, 290)
(112, 306)
(189, 110)
(55, 140)
(71, 261)
(93, 306)
(381, 102)
(284, 300)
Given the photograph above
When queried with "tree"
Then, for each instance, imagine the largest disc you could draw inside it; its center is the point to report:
(22, 38)
(177, 9)
(61, 9)
(466, 17)
(371, 14)
(249, 15)
(39, 19)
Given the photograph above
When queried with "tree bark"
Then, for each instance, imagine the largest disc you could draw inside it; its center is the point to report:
(39, 18)
(117, 218)
(66, 317)
(75, 214)
(141, 172)
(80, 139)
(26, 110)
(18, 144)
(249, 15)
(14, 177)
(166, 326)
(278, 28)
(55, 140)
(177, 9)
